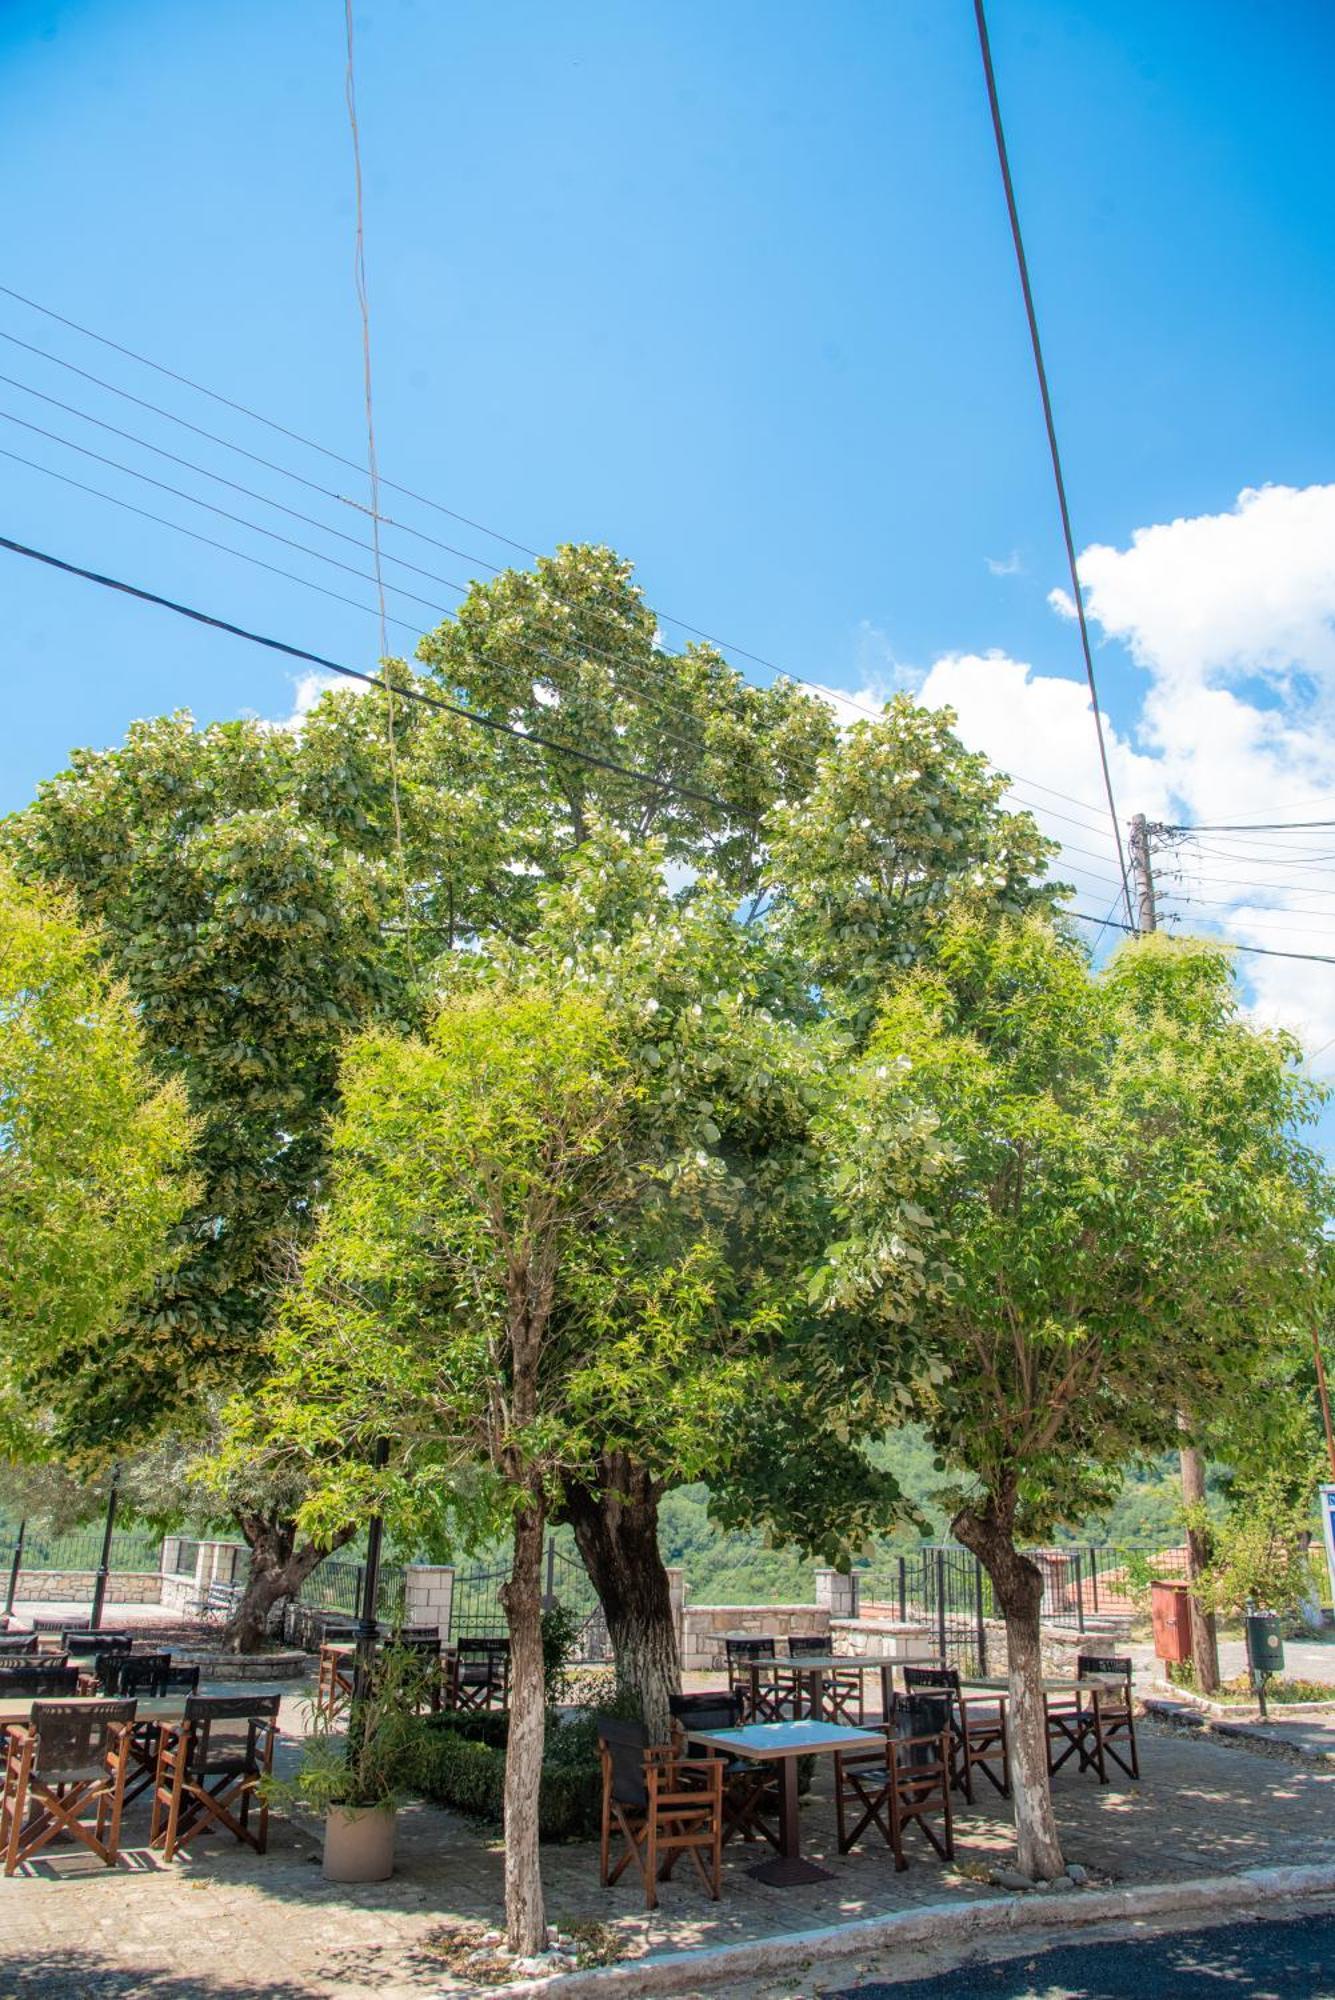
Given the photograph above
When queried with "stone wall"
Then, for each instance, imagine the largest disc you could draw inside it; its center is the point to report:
(705, 1626)
(75, 1586)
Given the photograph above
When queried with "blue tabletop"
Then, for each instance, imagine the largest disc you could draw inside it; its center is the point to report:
(784, 1739)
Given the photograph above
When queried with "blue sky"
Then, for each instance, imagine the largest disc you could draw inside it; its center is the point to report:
(730, 288)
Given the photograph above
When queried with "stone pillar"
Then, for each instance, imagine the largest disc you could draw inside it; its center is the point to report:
(428, 1596)
(837, 1593)
(171, 1548)
(677, 1592)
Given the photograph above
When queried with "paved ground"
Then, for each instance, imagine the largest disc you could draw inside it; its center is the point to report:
(227, 1923)
(1290, 1959)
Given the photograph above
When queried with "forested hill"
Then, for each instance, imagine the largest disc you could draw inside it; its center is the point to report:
(738, 1568)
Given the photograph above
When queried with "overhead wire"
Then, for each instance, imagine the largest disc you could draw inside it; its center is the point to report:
(477, 717)
(1231, 944)
(821, 689)
(1040, 369)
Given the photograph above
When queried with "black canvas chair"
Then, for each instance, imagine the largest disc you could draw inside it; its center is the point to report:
(843, 1689)
(67, 1760)
(772, 1699)
(1081, 1720)
(419, 1667)
(662, 1805)
(750, 1790)
(479, 1674)
(36, 1679)
(906, 1784)
(210, 1771)
(86, 1645)
(978, 1728)
(133, 1673)
(16, 1646)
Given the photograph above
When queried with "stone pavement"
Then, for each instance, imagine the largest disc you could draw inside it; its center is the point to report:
(228, 1923)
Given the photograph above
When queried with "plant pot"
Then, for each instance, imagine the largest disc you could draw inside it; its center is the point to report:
(359, 1843)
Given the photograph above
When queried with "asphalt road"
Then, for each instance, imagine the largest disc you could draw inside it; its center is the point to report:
(1284, 1959)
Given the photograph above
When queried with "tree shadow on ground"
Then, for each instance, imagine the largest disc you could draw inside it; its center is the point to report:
(72, 1974)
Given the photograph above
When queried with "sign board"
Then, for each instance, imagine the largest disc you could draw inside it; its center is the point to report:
(1327, 1500)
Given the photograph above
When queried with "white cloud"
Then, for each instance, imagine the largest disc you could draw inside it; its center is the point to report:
(1230, 619)
(1010, 565)
(306, 691)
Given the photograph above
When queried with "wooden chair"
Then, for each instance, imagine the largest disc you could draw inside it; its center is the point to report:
(133, 1673)
(479, 1674)
(35, 1679)
(772, 1701)
(210, 1768)
(335, 1677)
(662, 1805)
(68, 1758)
(750, 1790)
(15, 1646)
(1104, 1723)
(906, 1784)
(978, 1728)
(86, 1645)
(843, 1689)
(421, 1668)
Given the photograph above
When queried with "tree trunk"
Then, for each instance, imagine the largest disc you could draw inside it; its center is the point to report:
(1019, 1587)
(525, 1917)
(1204, 1642)
(616, 1529)
(278, 1568)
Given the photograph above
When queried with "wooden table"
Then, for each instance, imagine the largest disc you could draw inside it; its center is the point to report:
(783, 1743)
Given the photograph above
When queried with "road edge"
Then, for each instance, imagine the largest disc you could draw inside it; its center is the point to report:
(712, 1970)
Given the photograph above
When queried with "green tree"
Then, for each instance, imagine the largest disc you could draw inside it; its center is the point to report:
(93, 1154)
(902, 829)
(492, 1191)
(1120, 1218)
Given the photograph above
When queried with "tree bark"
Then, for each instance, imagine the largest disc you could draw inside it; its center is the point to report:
(1204, 1641)
(1019, 1587)
(525, 1915)
(278, 1568)
(616, 1530)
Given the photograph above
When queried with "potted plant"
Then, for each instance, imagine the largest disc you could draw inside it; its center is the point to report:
(350, 1772)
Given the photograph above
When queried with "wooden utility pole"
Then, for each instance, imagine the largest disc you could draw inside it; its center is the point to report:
(1204, 1643)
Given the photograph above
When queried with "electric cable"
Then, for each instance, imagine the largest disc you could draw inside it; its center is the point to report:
(1068, 537)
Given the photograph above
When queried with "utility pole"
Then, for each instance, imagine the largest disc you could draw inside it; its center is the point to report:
(1204, 1643)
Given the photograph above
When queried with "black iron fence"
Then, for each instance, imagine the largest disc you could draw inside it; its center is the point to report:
(80, 1549)
(946, 1588)
(476, 1611)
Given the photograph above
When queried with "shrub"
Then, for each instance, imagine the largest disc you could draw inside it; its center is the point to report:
(459, 1761)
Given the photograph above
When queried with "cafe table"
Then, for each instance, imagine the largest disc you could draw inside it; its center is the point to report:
(782, 1743)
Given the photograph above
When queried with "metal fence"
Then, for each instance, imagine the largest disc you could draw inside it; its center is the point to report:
(80, 1548)
(946, 1588)
(476, 1611)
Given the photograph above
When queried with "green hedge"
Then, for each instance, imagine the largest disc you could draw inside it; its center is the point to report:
(459, 1761)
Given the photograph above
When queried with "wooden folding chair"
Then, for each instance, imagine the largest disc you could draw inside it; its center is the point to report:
(479, 1674)
(907, 1784)
(977, 1726)
(1111, 1725)
(662, 1805)
(38, 1679)
(770, 1701)
(335, 1677)
(69, 1757)
(750, 1790)
(210, 1769)
(843, 1689)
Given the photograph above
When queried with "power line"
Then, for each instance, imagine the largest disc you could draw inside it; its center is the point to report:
(490, 722)
(1254, 826)
(1022, 262)
(401, 527)
(1230, 944)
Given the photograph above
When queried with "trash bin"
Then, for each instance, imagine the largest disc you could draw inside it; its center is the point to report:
(1170, 1616)
(1265, 1648)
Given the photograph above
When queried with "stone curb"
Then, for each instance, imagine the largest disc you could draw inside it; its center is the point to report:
(1234, 1730)
(714, 1969)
